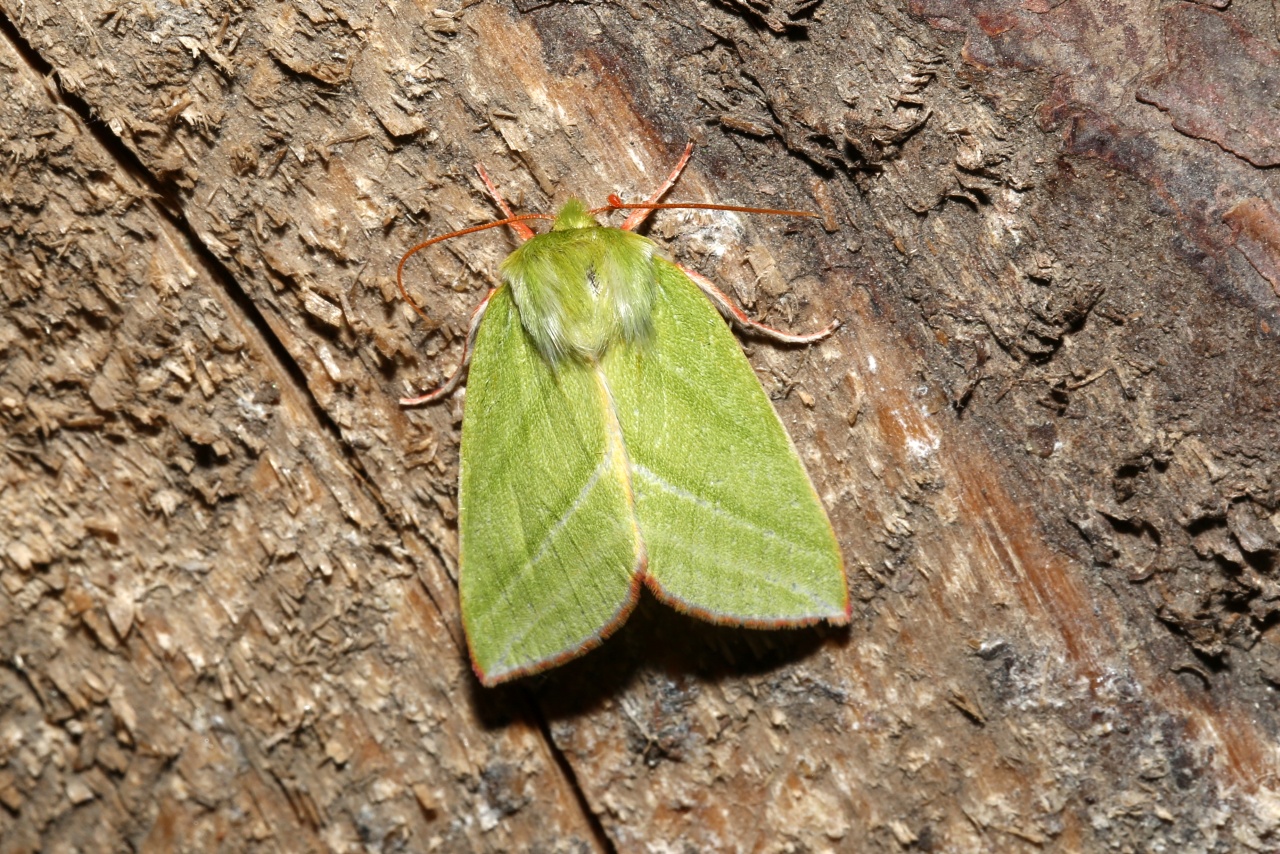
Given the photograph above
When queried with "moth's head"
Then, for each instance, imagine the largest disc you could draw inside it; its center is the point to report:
(573, 215)
(581, 287)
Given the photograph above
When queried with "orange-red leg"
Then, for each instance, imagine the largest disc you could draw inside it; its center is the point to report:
(633, 220)
(447, 387)
(728, 307)
(523, 231)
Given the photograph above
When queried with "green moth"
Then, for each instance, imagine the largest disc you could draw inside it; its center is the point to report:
(615, 437)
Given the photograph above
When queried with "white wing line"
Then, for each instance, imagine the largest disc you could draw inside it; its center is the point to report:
(615, 457)
(545, 546)
(560, 524)
(685, 495)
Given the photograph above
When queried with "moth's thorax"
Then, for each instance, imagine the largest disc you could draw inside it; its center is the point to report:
(582, 287)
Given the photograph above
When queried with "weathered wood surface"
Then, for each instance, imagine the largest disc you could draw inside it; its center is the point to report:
(1046, 433)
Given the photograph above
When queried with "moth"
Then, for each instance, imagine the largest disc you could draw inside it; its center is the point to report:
(615, 437)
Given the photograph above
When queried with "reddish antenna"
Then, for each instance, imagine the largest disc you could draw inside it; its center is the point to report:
(511, 220)
(617, 204)
(640, 210)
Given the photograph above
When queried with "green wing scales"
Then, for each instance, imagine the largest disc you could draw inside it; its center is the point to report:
(733, 528)
(663, 464)
(549, 550)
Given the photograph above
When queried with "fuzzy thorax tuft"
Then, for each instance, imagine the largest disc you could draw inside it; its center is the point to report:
(582, 287)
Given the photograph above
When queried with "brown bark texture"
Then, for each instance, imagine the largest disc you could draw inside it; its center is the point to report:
(1046, 432)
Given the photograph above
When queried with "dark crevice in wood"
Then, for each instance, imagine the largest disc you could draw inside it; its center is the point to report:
(124, 158)
(570, 777)
(172, 206)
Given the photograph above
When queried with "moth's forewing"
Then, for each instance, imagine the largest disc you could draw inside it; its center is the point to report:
(732, 526)
(549, 547)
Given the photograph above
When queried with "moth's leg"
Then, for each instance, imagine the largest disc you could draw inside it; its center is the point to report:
(467, 346)
(633, 220)
(523, 231)
(729, 308)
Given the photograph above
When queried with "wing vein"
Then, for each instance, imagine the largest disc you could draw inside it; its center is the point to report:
(693, 498)
(615, 457)
(544, 547)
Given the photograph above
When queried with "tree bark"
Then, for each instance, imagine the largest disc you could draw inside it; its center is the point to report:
(1046, 432)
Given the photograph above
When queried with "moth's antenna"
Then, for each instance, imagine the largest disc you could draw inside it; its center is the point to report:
(473, 229)
(633, 221)
(617, 204)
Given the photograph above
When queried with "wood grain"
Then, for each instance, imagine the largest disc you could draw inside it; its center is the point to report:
(1046, 432)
